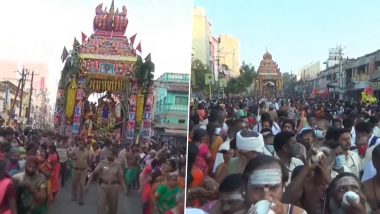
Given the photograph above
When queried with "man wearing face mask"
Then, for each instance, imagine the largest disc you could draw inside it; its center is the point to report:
(287, 149)
(352, 159)
(320, 131)
(13, 167)
(364, 137)
(22, 159)
(337, 155)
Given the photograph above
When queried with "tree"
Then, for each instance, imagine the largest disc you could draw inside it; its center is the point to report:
(200, 70)
(243, 81)
(144, 71)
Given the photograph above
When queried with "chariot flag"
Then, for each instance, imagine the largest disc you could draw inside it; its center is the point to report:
(64, 54)
(133, 39)
(139, 47)
(76, 43)
(148, 58)
(84, 37)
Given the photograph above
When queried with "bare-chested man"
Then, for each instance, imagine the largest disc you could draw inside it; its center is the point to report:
(133, 168)
(308, 188)
(372, 186)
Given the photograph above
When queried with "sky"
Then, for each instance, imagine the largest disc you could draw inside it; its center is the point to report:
(296, 32)
(37, 31)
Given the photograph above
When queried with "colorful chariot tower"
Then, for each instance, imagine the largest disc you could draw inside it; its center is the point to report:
(107, 63)
(269, 78)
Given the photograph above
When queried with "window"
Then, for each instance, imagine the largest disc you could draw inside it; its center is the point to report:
(180, 100)
(181, 121)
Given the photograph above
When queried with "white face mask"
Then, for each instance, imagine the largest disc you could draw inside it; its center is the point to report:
(376, 131)
(320, 134)
(339, 162)
(21, 163)
(217, 131)
(270, 148)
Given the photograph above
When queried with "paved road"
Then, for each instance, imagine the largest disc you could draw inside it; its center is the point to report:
(64, 205)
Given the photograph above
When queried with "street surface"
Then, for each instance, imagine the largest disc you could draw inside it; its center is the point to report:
(64, 205)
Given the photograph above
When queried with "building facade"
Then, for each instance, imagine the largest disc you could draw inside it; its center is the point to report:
(214, 57)
(348, 78)
(202, 33)
(309, 71)
(230, 53)
(171, 106)
(10, 72)
(8, 92)
(361, 73)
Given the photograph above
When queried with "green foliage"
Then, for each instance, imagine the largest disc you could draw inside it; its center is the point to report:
(139, 73)
(70, 69)
(199, 70)
(144, 72)
(243, 81)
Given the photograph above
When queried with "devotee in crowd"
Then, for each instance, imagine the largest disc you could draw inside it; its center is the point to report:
(35, 165)
(322, 143)
(352, 159)
(338, 201)
(7, 191)
(81, 162)
(264, 179)
(111, 181)
(286, 150)
(372, 186)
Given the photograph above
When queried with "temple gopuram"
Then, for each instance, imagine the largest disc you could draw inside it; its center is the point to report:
(106, 65)
(269, 78)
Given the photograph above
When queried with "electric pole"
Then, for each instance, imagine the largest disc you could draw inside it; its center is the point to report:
(30, 99)
(22, 93)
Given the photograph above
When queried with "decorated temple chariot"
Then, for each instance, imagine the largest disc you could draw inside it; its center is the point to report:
(105, 89)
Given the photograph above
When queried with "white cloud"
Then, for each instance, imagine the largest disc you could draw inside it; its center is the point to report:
(37, 31)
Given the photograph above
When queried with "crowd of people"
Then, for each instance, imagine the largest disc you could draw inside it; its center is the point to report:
(283, 156)
(35, 165)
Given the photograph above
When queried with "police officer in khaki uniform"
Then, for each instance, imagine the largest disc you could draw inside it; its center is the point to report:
(80, 164)
(111, 179)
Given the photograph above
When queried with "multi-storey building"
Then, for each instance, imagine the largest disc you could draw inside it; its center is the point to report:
(171, 106)
(202, 33)
(349, 77)
(230, 53)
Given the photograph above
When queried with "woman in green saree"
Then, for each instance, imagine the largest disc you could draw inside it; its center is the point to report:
(165, 194)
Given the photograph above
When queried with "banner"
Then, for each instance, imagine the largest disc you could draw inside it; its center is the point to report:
(140, 109)
(71, 97)
(146, 128)
(77, 119)
(132, 111)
